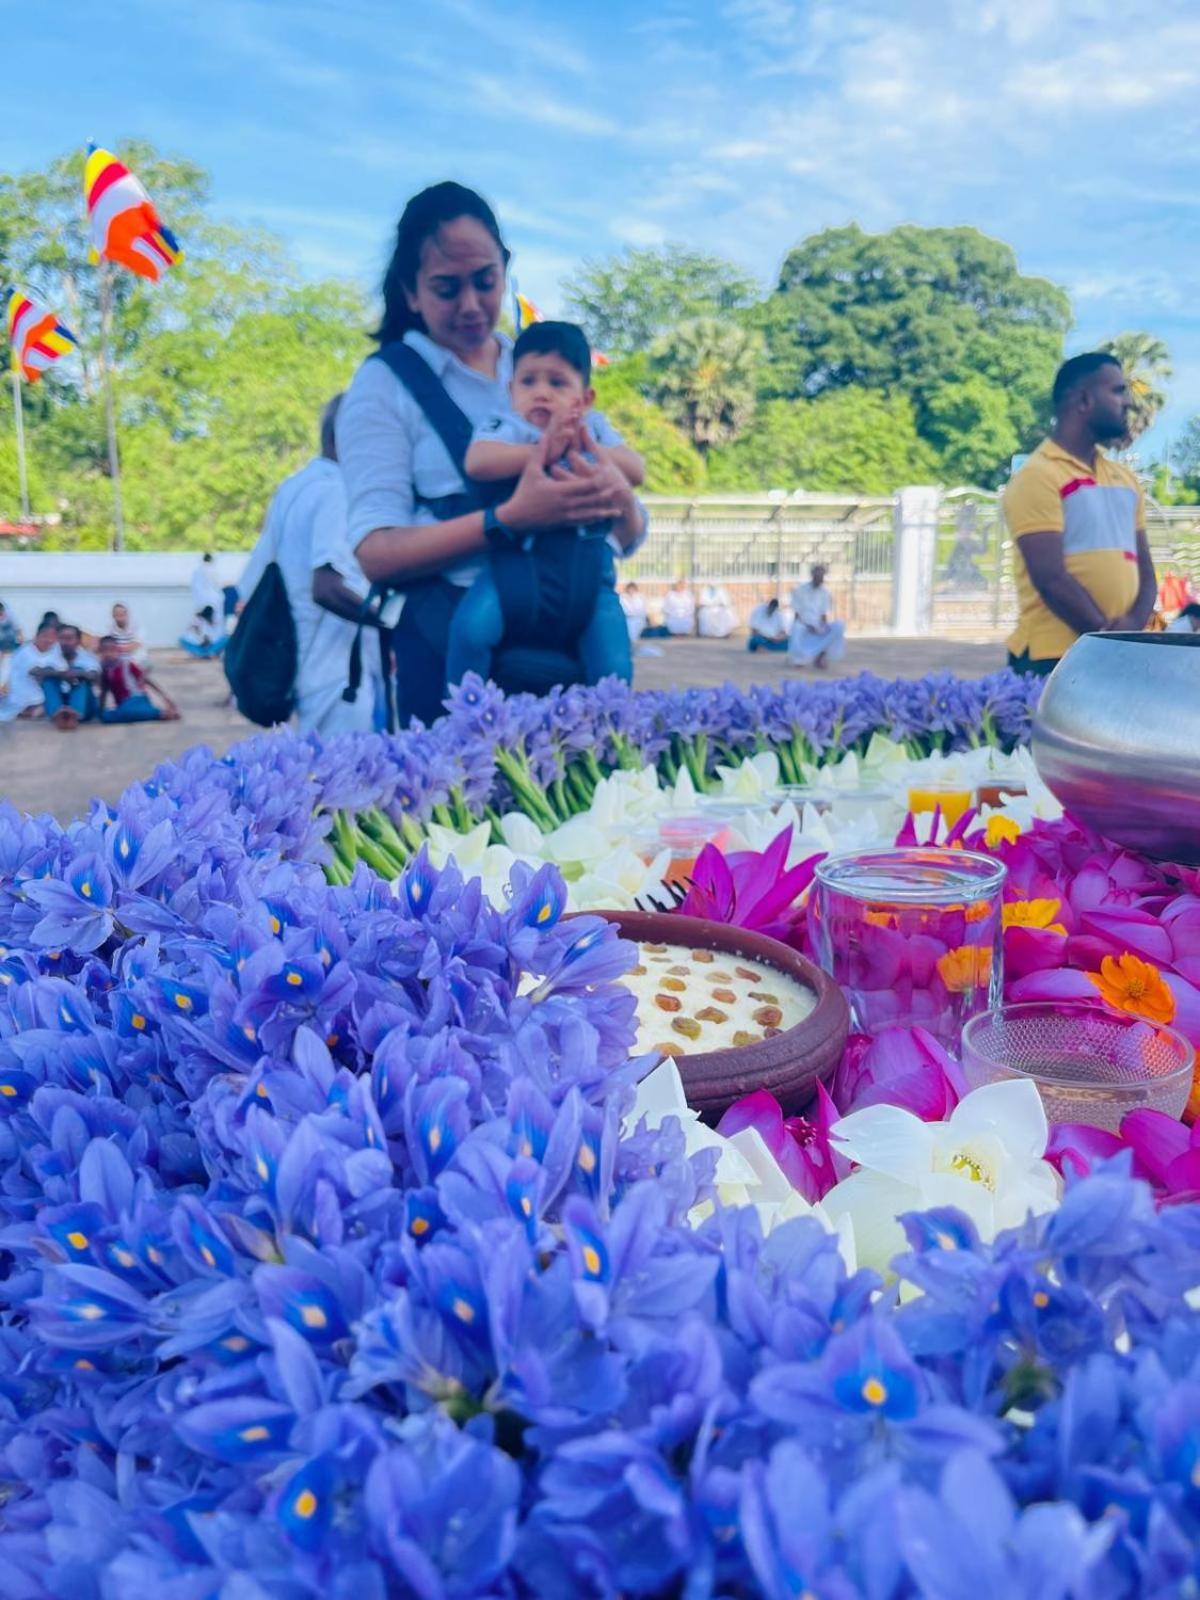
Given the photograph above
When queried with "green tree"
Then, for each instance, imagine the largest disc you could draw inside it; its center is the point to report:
(704, 374)
(908, 312)
(672, 466)
(969, 424)
(220, 369)
(627, 301)
(1147, 364)
(845, 442)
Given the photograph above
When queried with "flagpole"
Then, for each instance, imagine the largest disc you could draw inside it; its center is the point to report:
(114, 459)
(19, 413)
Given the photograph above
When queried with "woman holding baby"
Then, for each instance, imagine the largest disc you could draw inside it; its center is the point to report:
(419, 523)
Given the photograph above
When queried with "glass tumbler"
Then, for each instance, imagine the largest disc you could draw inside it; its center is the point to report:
(913, 936)
(1090, 1064)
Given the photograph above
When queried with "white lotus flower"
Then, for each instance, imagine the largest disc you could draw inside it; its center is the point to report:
(618, 882)
(747, 1172)
(986, 1160)
(755, 779)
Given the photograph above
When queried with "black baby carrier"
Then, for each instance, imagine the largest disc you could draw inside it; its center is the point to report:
(547, 588)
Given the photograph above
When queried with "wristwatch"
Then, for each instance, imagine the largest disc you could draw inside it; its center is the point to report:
(498, 534)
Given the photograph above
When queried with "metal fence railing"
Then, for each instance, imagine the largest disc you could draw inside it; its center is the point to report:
(756, 546)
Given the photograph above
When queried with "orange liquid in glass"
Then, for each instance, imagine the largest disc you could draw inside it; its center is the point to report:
(951, 802)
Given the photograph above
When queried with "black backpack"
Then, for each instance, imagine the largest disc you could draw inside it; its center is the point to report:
(260, 658)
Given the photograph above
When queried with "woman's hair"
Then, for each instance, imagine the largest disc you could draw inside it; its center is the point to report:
(424, 214)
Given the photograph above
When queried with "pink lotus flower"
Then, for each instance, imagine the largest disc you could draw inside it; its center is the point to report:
(749, 889)
(901, 1067)
(800, 1145)
(1165, 1153)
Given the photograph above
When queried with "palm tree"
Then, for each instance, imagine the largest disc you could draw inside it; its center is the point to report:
(1147, 364)
(703, 374)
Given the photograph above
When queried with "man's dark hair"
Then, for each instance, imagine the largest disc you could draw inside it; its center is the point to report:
(1192, 610)
(69, 627)
(108, 638)
(773, 605)
(563, 339)
(1075, 372)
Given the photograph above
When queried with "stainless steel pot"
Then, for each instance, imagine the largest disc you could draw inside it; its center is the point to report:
(1117, 738)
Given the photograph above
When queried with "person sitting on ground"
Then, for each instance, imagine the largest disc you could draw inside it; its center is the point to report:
(634, 606)
(129, 687)
(817, 640)
(69, 690)
(679, 609)
(25, 697)
(770, 625)
(1188, 620)
(126, 635)
(10, 641)
(551, 410)
(202, 637)
(717, 618)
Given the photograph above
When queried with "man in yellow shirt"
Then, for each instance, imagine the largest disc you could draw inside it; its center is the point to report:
(1078, 522)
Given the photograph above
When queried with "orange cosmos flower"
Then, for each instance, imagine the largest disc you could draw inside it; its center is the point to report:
(968, 967)
(1033, 914)
(1133, 985)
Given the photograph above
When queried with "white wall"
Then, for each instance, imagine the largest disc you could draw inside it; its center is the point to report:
(82, 586)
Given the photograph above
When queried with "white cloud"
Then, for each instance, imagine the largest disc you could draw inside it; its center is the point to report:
(520, 103)
(639, 231)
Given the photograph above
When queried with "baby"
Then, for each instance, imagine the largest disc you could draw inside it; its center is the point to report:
(551, 392)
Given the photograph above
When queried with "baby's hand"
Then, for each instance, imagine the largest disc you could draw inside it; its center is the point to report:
(560, 437)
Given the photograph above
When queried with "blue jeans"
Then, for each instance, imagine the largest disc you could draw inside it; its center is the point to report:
(758, 641)
(77, 697)
(138, 708)
(478, 627)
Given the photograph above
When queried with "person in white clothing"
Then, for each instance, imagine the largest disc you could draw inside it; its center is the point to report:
(305, 533)
(817, 640)
(206, 591)
(30, 661)
(679, 609)
(717, 618)
(633, 604)
(1188, 620)
(770, 625)
(130, 644)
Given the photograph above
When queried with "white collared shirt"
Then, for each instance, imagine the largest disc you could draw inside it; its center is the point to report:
(391, 455)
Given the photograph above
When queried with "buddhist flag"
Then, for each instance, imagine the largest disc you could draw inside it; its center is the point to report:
(125, 226)
(527, 312)
(37, 337)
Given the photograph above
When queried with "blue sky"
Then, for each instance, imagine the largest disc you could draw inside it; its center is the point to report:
(1066, 127)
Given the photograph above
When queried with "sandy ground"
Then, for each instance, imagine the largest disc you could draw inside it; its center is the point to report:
(44, 770)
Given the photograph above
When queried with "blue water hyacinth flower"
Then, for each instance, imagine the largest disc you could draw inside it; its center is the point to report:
(386, 1298)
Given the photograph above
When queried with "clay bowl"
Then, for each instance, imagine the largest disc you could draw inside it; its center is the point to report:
(792, 1063)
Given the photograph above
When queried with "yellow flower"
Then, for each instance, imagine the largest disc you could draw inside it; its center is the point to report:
(1033, 914)
(968, 967)
(1001, 829)
(1133, 985)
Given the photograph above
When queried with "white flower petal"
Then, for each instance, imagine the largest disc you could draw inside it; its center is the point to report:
(868, 1204)
(1012, 1110)
(887, 1139)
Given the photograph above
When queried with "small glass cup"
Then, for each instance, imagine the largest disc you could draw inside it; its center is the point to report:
(1090, 1064)
(953, 800)
(850, 805)
(913, 936)
(684, 837)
